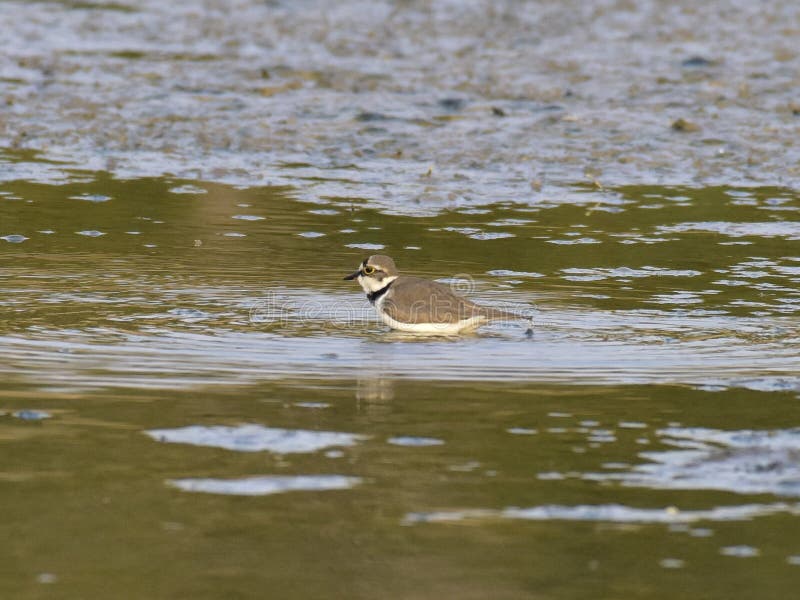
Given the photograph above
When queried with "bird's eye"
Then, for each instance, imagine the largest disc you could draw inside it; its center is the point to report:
(369, 270)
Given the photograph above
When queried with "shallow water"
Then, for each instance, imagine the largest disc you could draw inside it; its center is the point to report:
(171, 287)
(196, 404)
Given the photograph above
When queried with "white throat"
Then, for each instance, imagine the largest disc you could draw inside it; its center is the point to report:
(371, 285)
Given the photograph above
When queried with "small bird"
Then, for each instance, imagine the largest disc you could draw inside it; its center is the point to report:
(418, 305)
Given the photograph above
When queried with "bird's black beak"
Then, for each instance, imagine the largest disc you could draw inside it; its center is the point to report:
(352, 275)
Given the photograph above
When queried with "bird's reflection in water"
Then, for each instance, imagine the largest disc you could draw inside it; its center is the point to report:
(374, 392)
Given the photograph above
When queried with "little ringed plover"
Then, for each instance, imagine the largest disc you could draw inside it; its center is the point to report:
(418, 305)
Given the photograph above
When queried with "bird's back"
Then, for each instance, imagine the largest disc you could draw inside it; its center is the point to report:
(417, 300)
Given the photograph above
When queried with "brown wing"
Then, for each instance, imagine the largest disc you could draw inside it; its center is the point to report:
(416, 300)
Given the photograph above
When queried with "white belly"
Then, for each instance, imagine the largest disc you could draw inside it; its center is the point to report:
(436, 328)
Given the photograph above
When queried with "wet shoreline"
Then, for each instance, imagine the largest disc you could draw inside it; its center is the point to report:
(409, 106)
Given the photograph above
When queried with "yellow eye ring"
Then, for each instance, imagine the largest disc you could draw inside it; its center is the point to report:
(369, 270)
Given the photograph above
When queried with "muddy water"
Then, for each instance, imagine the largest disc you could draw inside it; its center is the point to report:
(195, 405)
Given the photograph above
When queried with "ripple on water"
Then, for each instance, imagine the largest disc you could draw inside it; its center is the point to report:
(601, 273)
(188, 189)
(522, 431)
(255, 438)
(596, 347)
(248, 217)
(672, 563)
(408, 440)
(740, 551)
(14, 238)
(266, 485)
(478, 234)
(187, 314)
(614, 513)
(31, 415)
(680, 298)
(584, 240)
(96, 198)
(507, 273)
(744, 462)
(491, 235)
(365, 246)
(770, 229)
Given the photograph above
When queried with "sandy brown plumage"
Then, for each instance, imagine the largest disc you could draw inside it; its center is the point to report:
(416, 300)
(420, 305)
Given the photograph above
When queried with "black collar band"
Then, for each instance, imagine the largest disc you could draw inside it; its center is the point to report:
(373, 296)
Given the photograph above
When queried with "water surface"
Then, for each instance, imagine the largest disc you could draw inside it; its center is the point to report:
(196, 404)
